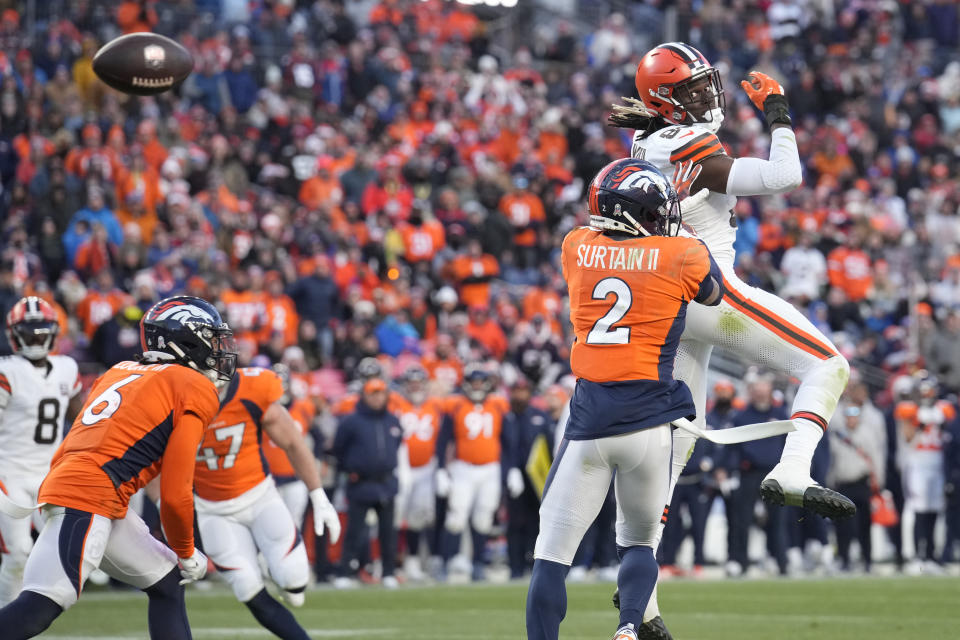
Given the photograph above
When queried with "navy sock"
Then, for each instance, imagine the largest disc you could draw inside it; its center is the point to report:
(479, 546)
(636, 581)
(167, 609)
(413, 543)
(449, 544)
(546, 600)
(28, 615)
(275, 618)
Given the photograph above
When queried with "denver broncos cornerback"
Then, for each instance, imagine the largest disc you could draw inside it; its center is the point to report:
(630, 281)
(141, 419)
(239, 510)
(35, 389)
(679, 112)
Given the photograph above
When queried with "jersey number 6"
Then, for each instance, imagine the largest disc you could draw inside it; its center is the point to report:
(601, 333)
(96, 411)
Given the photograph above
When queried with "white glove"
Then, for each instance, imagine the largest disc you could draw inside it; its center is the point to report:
(514, 482)
(194, 567)
(442, 479)
(324, 515)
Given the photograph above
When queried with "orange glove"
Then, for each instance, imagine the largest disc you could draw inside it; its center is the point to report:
(767, 95)
(759, 87)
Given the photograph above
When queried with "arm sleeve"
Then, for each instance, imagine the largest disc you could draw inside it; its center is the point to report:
(509, 443)
(781, 173)
(176, 484)
(5, 392)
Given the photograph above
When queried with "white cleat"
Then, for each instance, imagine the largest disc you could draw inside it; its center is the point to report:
(343, 582)
(625, 632)
(791, 485)
(390, 582)
(412, 569)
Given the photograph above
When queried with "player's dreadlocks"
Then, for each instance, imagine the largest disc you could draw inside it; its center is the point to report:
(633, 115)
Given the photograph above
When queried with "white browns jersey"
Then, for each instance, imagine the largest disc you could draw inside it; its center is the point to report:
(33, 404)
(711, 218)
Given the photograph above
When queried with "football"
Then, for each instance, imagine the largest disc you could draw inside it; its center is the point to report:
(142, 64)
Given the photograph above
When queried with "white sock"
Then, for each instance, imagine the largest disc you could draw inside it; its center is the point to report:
(802, 443)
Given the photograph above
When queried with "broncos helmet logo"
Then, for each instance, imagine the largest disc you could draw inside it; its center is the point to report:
(183, 313)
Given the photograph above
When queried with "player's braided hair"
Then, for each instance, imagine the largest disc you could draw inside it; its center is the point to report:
(633, 115)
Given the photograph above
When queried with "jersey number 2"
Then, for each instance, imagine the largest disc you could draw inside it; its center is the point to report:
(601, 333)
(47, 424)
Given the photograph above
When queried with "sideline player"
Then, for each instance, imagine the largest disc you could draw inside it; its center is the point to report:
(630, 282)
(680, 110)
(416, 505)
(240, 511)
(140, 420)
(36, 391)
(473, 478)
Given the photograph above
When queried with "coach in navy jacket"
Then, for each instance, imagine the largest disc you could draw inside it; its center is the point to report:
(366, 448)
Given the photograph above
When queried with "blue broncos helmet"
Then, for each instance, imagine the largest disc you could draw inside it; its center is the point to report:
(633, 197)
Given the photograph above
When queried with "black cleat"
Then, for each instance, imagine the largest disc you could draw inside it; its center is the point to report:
(820, 500)
(653, 629)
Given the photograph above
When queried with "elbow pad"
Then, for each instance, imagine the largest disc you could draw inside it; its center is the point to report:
(779, 174)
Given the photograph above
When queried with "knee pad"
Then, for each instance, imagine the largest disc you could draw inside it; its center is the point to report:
(246, 582)
(292, 572)
(482, 522)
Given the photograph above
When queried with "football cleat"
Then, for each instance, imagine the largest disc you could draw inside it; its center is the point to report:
(653, 629)
(785, 487)
(625, 632)
(293, 598)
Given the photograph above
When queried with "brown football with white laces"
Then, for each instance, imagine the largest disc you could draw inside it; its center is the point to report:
(142, 64)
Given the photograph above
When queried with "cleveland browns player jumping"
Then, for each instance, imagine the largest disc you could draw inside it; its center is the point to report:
(141, 419)
(240, 511)
(35, 390)
(676, 119)
(630, 281)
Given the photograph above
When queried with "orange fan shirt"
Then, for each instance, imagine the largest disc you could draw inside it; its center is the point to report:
(97, 307)
(302, 411)
(522, 209)
(230, 460)
(131, 428)
(628, 301)
(421, 425)
(422, 243)
(477, 427)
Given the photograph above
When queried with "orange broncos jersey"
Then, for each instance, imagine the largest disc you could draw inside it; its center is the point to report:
(421, 425)
(130, 429)
(477, 427)
(302, 411)
(628, 301)
(230, 460)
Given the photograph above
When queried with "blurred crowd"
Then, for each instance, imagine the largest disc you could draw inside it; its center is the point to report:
(352, 179)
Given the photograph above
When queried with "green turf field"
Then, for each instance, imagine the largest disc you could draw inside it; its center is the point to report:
(841, 609)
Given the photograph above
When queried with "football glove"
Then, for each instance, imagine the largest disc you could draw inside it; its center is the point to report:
(684, 175)
(324, 515)
(514, 482)
(442, 479)
(767, 95)
(193, 568)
